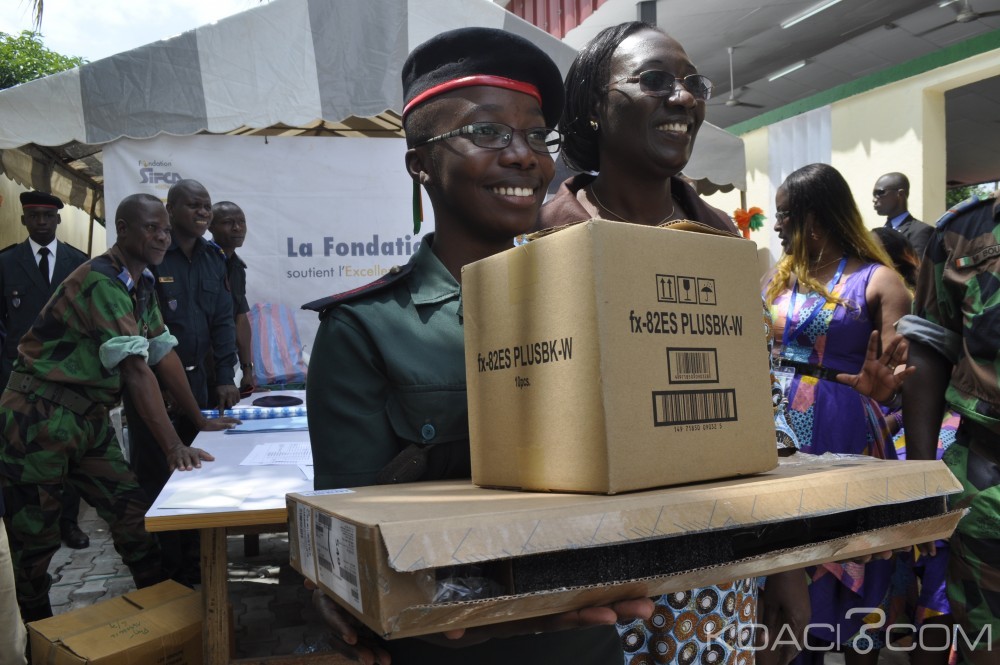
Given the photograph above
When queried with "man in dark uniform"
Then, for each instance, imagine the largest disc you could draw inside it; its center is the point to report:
(386, 384)
(953, 333)
(99, 335)
(229, 230)
(890, 196)
(194, 297)
(29, 274)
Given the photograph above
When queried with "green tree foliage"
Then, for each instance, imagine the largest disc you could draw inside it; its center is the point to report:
(24, 58)
(956, 195)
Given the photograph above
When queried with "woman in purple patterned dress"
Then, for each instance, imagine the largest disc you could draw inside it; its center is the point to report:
(832, 288)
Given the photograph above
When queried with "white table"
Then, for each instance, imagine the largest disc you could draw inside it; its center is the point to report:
(263, 509)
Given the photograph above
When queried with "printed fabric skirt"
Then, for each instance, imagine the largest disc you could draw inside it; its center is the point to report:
(709, 626)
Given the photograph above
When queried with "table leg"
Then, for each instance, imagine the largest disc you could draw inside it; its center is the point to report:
(215, 597)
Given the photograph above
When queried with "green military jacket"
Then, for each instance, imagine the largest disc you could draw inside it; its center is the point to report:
(957, 291)
(388, 370)
(97, 306)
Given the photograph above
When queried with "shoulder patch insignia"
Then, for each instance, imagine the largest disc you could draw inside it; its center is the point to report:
(395, 274)
(215, 247)
(966, 205)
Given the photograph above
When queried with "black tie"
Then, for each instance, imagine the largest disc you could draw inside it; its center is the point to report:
(43, 265)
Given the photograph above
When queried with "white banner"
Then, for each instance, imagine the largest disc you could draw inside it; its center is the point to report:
(324, 214)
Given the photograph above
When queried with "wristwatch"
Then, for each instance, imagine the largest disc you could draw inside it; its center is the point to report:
(246, 365)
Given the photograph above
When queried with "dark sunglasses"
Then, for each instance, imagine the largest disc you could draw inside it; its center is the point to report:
(658, 83)
(882, 191)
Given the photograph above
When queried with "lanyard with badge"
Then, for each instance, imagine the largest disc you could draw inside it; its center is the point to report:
(784, 375)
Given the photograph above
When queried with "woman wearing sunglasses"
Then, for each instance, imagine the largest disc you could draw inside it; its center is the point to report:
(634, 104)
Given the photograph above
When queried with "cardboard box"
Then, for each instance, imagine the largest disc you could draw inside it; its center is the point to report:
(611, 357)
(159, 624)
(382, 552)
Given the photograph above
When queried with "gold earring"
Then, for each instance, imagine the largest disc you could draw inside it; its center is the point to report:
(594, 125)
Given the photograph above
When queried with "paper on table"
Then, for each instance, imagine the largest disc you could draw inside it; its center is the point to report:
(296, 452)
(207, 498)
(294, 424)
(308, 471)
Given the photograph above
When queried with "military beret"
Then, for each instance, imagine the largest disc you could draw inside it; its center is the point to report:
(482, 56)
(40, 200)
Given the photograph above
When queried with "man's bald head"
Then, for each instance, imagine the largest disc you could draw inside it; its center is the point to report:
(132, 207)
(890, 194)
(185, 186)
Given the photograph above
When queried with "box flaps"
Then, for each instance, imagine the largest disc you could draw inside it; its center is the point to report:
(157, 594)
(673, 225)
(695, 227)
(414, 620)
(472, 525)
(167, 625)
(61, 626)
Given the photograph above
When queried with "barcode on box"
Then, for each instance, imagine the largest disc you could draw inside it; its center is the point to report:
(688, 407)
(686, 365)
(348, 577)
(337, 558)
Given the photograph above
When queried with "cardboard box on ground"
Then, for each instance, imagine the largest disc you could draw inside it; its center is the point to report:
(158, 624)
(610, 357)
(426, 557)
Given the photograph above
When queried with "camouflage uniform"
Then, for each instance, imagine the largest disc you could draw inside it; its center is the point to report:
(54, 421)
(957, 312)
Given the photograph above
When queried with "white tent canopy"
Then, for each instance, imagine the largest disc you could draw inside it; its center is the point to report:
(312, 67)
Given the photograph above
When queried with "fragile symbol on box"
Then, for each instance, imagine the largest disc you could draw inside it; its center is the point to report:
(685, 289)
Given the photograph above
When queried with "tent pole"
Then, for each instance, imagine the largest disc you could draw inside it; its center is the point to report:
(90, 229)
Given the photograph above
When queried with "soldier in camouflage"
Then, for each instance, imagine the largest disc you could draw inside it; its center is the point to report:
(954, 332)
(100, 334)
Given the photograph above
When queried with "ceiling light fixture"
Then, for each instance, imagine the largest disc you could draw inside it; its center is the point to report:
(787, 70)
(812, 11)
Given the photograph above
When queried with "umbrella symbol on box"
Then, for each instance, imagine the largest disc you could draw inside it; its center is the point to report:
(706, 292)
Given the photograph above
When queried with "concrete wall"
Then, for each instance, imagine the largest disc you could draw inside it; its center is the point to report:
(897, 127)
(73, 229)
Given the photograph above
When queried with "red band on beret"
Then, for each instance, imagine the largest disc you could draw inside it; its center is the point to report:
(468, 81)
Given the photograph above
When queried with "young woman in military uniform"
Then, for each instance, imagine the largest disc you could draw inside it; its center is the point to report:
(386, 388)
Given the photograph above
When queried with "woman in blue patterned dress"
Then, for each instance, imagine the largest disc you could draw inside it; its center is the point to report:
(833, 287)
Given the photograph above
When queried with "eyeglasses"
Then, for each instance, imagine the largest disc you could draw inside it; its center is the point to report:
(497, 136)
(658, 83)
(882, 191)
(781, 215)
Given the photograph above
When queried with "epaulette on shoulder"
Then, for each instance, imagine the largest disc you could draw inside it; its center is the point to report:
(214, 246)
(395, 274)
(968, 204)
